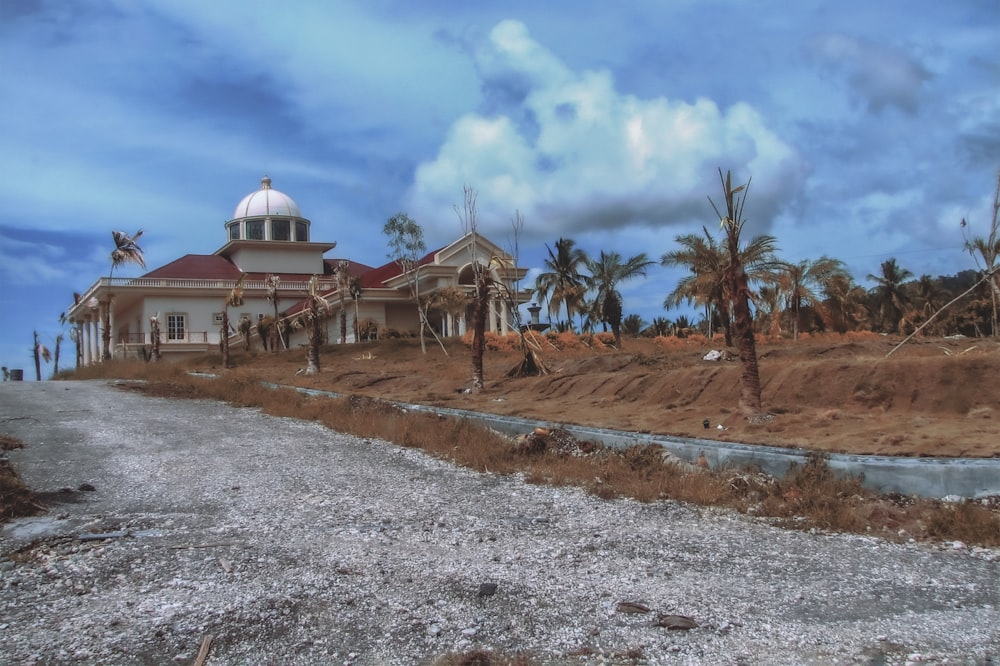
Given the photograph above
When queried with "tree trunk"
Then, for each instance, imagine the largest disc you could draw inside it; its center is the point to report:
(224, 338)
(38, 360)
(315, 338)
(106, 334)
(479, 332)
(746, 345)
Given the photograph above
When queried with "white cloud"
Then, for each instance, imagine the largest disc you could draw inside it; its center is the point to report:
(573, 154)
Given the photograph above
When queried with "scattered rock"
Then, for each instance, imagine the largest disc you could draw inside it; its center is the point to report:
(632, 607)
(675, 622)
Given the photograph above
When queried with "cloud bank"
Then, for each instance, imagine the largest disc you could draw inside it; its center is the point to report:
(574, 155)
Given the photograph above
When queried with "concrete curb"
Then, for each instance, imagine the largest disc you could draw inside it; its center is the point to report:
(925, 477)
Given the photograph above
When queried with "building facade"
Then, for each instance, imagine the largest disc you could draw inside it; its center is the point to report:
(270, 253)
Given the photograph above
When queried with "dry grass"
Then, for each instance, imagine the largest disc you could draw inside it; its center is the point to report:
(16, 499)
(808, 497)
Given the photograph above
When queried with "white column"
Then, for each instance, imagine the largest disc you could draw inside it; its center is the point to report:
(84, 333)
(95, 338)
(111, 326)
(449, 322)
(504, 318)
(491, 324)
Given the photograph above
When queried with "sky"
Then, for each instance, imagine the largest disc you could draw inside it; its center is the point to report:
(868, 130)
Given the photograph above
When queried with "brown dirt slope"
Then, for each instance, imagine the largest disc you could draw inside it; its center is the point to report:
(932, 397)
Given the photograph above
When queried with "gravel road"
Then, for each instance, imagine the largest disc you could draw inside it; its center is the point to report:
(291, 544)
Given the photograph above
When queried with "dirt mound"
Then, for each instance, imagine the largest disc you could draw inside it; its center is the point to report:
(932, 397)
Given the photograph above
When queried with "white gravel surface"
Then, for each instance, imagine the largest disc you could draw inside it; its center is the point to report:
(291, 544)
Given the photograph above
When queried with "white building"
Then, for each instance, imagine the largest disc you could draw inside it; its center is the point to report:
(268, 236)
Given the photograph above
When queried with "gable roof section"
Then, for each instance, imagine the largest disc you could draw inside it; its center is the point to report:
(197, 267)
(376, 278)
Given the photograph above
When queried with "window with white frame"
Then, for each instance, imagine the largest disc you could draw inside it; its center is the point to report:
(176, 326)
(217, 318)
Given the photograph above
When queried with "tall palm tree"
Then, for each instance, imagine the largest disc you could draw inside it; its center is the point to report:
(737, 286)
(563, 283)
(127, 251)
(803, 283)
(890, 297)
(606, 273)
(708, 261)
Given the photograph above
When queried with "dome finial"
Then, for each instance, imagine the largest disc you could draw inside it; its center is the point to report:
(265, 183)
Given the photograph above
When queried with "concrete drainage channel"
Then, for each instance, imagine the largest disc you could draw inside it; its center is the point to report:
(925, 477)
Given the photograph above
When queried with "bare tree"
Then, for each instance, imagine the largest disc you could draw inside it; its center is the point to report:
(738, 287)
(406, 247)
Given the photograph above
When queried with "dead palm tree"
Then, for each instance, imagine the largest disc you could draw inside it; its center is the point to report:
(40, 353)
(233, 299)
(563, 283)
(154, 336)
(343, 278)
(315, 311)
(127, 251)
(271, 282)
(738, 288)
(606, 273)
(355, 290)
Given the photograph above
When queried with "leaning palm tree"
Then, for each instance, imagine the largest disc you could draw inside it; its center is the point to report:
(563, 283)
(126, 251)
(890, 297)
(803, 283)
(738, 290)
(233, 299)
(606, 273)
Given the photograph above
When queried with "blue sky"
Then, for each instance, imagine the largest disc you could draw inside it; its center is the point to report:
(870, 129)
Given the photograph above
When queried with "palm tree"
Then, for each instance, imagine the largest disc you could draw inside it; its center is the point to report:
(737, 288)
(708, 262)
(316, 308)
(606, 272)
(234, 299)
(343, 275)
(154, 336)
(633, 325)
(126, 251)
(451, 300)
(355, 290)
(40, 353)
(988, 250)
(844, 301)
(890, 297)
(803, 282)
(562, 283)
(271, 283)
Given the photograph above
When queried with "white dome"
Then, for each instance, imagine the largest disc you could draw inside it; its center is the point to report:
(266, 202)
